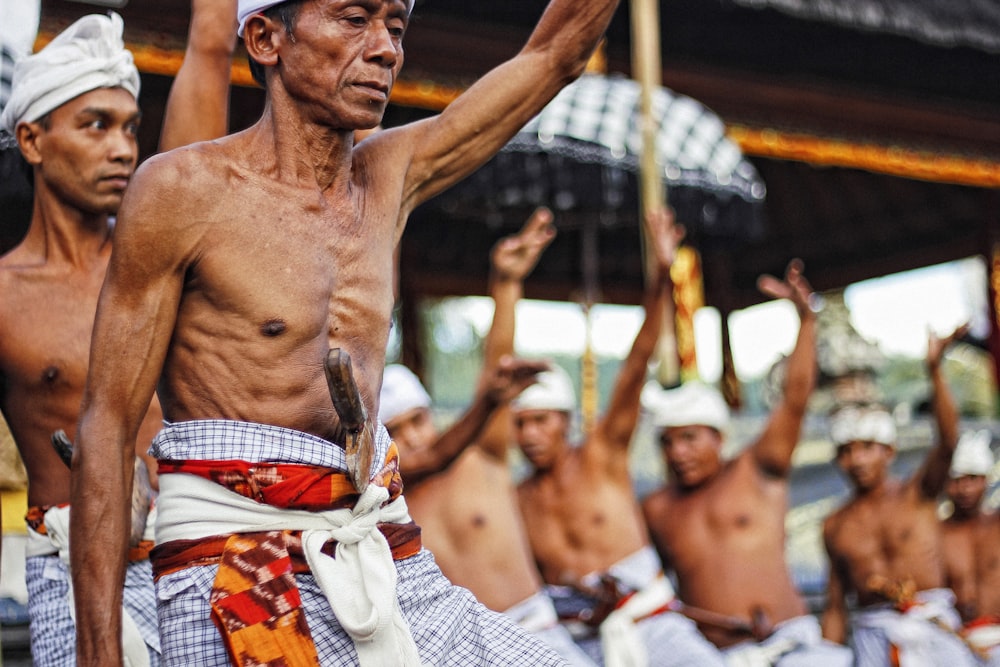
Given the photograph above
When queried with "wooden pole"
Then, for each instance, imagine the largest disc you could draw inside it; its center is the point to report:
(647, 70)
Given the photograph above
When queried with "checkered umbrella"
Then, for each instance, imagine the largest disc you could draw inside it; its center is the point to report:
(581, 155)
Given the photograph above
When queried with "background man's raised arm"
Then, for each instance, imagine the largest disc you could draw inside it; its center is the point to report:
(511, 260)
(198, 105)
(934, 473)
(773, 450)
(614, 430)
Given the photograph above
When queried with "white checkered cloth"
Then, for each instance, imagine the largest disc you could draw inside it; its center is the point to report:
(53, 632)
(448, 625)
(670, 639)
(594, 120)
(920, 642)
(538, 616)
(797, 642)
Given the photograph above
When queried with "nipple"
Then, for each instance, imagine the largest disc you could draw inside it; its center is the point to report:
(274, 327)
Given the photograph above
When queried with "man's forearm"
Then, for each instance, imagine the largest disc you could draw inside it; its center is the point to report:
(98, 519)
(800, 376)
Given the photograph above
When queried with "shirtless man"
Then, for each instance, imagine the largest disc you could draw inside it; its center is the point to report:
(239, 266)
(972, 545)
(478, 539)
(884, 545)
(583, 522)
(720, 524)
(75, 114)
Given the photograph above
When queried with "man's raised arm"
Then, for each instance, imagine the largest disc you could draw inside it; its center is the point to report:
(934, 473)
(511, 260)
(135, 320)
(448, 147)
(613, 432)
(198, 104)
(773, 450)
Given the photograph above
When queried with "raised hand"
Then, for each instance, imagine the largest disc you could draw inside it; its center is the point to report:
(936, 346)
(665, 236)
(514, 257)
(794, 287)
(510, 377)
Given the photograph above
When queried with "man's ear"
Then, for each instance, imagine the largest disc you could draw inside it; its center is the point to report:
(261, 38)
(29, 136)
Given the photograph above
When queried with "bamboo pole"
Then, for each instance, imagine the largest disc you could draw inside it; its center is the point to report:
(647, 70)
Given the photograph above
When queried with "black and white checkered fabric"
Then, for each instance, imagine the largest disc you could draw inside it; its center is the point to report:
(596, 120)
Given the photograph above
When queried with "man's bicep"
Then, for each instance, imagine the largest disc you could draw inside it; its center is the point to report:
(450, 146)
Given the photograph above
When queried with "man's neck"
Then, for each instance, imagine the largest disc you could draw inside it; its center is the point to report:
(304, 152)
(62, 233)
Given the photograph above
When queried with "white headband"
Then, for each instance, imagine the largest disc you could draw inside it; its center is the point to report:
(858, 424)
(693, 403)
(401, 392)
(247, 8)
(553, 390)
(88, 55)
(972, 454)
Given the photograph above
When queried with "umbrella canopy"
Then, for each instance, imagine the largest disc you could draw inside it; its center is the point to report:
(581, 155)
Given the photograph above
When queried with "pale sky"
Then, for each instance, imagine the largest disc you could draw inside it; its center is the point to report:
(895, 312)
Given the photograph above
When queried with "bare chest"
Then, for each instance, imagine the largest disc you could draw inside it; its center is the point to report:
(46, 322)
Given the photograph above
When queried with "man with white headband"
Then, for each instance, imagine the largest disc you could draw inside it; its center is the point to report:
(583, 520)
(73, 110)
(971, 545)
(884, 544)
(245, 269)
(719, 523)
(459, 486)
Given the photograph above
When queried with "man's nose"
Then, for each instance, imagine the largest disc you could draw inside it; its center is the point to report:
(123, 146)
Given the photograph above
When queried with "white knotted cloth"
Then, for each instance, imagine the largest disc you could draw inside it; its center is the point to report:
(88, 55)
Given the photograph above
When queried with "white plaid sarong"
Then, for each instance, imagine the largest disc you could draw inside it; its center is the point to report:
(53, 632)
(448, 625)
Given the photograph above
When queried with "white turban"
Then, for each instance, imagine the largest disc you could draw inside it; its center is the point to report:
(401, 392)
(553, 390)
(693, 403)
(972, 454)
(247, 8)
(88, 55)
(861, 424)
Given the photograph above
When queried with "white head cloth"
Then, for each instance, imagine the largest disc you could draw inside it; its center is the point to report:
(88, 55)
(401, 392)
(553, 390)
(972, 454)
(862, 424)
(247, 8)
(693, 403)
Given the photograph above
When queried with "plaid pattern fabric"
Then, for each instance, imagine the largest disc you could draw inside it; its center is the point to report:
(595, 120)
(255, 601)
(53, 633)
(450, 628)
(225, 440)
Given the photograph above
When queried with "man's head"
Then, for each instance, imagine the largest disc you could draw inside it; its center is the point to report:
(404, 409)
(73, 110)
(970, 465)
(865, 438)
(338, 59)
(542, 414)
(690, 422)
